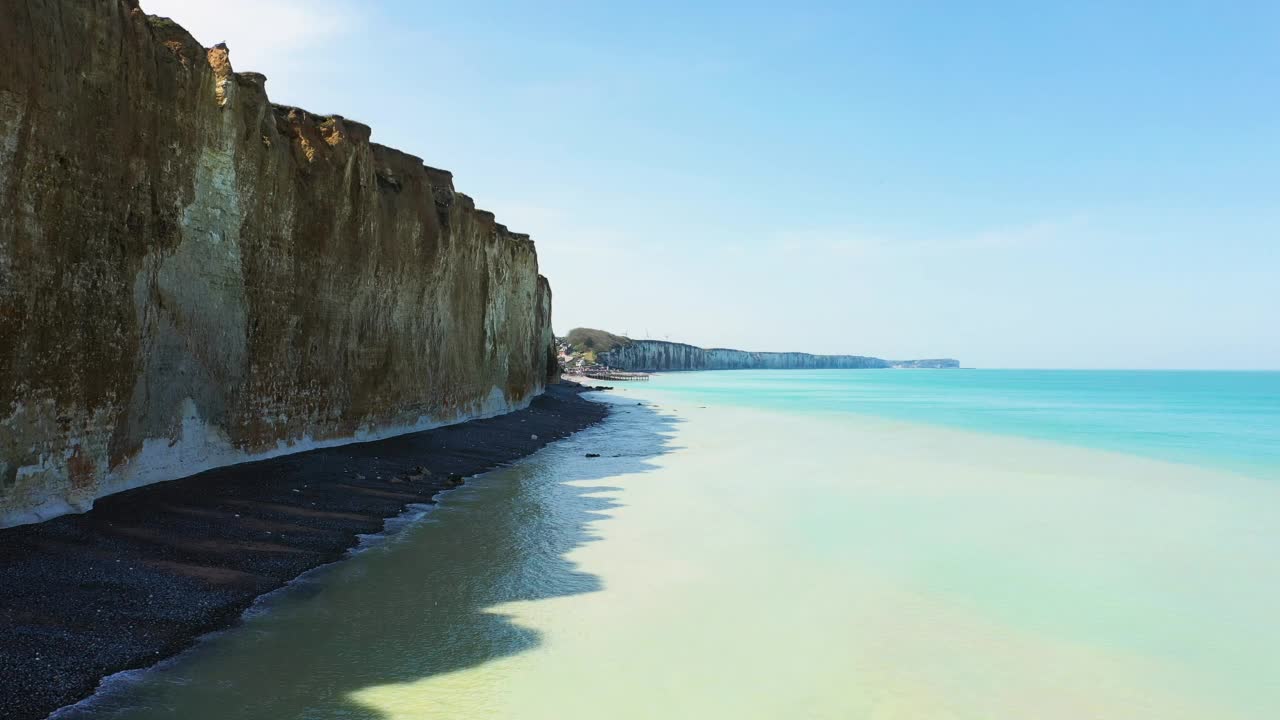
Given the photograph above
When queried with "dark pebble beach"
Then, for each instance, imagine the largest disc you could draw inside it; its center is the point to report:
(148, 571)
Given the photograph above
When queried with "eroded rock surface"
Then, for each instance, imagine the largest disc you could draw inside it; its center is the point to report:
(191, 276)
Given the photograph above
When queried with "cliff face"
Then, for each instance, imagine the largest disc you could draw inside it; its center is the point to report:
(623, 353)
(932, 363)
(658, 355)
(191, 276)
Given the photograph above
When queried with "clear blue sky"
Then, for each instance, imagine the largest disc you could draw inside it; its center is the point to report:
(1085, 184)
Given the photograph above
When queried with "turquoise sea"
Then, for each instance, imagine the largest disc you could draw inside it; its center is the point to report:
(1229, 420)
(830, 545)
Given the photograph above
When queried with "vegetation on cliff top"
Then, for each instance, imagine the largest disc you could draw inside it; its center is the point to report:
(584, 340)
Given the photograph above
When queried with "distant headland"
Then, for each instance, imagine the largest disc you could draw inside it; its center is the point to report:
(586, 346)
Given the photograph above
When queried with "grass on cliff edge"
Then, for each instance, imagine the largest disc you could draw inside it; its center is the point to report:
(584, 340)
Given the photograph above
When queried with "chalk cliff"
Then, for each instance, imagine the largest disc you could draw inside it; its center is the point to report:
(931, 363)
(658, 355)
(623, 353)
(191, 276)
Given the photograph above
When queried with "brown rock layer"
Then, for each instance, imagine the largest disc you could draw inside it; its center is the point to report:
(191, 276)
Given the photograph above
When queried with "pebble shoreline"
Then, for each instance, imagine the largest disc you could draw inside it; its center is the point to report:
(147, 571)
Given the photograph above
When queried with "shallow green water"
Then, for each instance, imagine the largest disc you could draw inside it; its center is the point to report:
(778, 545)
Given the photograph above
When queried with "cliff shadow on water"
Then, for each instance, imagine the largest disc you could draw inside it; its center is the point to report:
(426, 603)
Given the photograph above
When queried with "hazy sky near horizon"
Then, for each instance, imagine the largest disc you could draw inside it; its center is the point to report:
(1090, 184)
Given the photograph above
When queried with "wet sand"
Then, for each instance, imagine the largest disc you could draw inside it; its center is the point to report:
(148, 571)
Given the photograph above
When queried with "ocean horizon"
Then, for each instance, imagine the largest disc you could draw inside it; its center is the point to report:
(1225, 418)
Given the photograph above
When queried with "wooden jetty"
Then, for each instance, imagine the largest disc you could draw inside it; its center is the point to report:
(615, 375)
